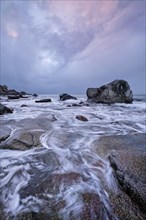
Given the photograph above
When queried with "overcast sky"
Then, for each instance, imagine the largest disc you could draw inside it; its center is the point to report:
(68, 46)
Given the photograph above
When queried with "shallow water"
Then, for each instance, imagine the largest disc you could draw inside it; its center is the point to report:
(65, 176)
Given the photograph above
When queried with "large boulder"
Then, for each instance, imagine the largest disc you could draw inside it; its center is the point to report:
(66, 96)
(4, 109)
(117, 91)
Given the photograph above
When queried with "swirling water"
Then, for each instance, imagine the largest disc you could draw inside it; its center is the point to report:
(64, 178)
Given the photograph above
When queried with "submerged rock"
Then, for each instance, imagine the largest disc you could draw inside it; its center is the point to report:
(4, 109)
(117, 91)
(66, 96)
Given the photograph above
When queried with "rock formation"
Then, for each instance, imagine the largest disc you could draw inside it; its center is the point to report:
(117, 91)
(5, 91)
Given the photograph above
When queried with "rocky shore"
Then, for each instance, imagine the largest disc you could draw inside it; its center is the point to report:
(126, 154)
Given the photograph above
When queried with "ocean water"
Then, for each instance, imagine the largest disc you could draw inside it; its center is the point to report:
(64, 177)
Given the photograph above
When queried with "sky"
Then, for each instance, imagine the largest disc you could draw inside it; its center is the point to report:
(57, 46)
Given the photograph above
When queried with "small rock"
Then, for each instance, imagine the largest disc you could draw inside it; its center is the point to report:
(43, 100)
(76, 105)
(81, 118)
(83, 104)
(13, 96)
(35, 95)
(66, 96)
(23, 105)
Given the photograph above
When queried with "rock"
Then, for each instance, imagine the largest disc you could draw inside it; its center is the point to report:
(23, 105)
(43, 100)
(74, 105)
(84, 104)
(4, 109)
(35, 95)
(127, 156)
(134, 186)
(23, 97)
(5, 132)
(13, 96)
(23, 140)
(81, 118)
(117, 91)
(23, 93)
(66, 96)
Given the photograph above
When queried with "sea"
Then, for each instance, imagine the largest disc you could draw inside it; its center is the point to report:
(59, 177)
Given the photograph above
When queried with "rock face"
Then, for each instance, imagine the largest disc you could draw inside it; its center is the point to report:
(66, 96)
(117, 91)
(4, 109)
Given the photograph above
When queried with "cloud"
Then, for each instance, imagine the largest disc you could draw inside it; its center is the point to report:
(64, 42)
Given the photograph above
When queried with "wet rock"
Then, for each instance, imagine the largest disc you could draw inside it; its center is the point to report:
(23, 97)
(4, 133)
(23, 105)
(117, 91)
(84, 104)
(94, 208)
(13, 96)
(23, 93)
(127, 155)
(4, 109)
(43, 100)
(81, 118)
(23, 140)
(74, 105)
(35, 95)
(66, 96)
(130, 181)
